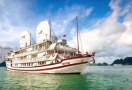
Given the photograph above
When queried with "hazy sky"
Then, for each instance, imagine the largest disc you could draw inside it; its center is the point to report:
(105, 25)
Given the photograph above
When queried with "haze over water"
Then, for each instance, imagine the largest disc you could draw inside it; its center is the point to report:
(92, 78)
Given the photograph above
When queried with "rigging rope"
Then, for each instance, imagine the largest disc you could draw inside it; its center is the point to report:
(54, 36)
(81, 41)
(86, 49)
(32, 39)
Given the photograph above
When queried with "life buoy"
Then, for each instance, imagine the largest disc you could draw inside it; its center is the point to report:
(53, 54)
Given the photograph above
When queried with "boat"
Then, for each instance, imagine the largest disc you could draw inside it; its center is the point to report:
(47, 55)
(117, 64)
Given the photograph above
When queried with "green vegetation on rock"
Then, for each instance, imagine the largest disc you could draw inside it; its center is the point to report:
(126, 61)
(3, 64)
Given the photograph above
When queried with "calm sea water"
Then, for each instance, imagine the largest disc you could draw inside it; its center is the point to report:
(92, 78)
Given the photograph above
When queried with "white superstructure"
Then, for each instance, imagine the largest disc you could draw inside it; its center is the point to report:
(46, 56)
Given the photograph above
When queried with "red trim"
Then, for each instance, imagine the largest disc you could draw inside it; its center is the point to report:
(52, 67)
(81, 56)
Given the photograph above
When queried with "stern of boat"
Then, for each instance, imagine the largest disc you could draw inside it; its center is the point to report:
(8, 64)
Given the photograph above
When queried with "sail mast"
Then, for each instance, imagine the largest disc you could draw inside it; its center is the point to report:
(77, 34)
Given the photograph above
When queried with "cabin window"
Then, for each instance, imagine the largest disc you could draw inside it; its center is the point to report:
(42, 62)
(31, 64)
(39, 63)
(16, 64)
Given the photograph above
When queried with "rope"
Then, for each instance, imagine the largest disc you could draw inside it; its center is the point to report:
(84, 44)
(54, 36)
(81, 41)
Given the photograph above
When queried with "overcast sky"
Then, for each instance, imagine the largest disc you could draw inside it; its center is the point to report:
(105, 26)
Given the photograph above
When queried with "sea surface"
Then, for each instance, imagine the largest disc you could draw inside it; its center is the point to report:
(92, 78)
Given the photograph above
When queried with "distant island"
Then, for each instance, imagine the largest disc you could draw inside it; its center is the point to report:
(99, 64)
(3, 64)
(126, 61)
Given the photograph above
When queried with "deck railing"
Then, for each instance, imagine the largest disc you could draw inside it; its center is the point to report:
(30, 52)
(28, 60)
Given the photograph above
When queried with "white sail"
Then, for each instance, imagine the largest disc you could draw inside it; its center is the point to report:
(25, 39)
(43, 31)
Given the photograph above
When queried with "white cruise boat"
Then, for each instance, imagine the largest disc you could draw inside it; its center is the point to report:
(47, 55)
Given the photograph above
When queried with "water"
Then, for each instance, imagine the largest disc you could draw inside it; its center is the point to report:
(92, 78)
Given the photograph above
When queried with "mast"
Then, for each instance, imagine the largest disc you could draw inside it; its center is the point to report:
(77, 34)
(50, 30)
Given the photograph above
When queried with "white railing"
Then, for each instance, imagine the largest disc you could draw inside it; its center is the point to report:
(28, 60)
(29, 52)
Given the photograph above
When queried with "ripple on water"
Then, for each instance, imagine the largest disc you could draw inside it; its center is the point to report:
(92, 78)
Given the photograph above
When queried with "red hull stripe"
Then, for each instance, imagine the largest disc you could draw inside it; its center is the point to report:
(51, 68)
(81, 56)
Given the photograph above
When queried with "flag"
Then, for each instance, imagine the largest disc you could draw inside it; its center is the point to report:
(93, 53)
(64, 35)
(40, 32)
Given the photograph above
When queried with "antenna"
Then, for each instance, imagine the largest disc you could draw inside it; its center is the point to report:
(53, 33)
